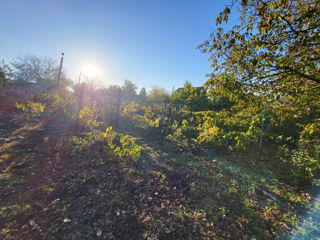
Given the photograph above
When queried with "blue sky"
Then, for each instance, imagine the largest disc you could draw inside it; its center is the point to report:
(151, 43)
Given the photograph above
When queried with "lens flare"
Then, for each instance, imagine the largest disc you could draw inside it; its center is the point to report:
(90, 71)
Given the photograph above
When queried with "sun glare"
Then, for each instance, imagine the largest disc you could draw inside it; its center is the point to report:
(90, 71)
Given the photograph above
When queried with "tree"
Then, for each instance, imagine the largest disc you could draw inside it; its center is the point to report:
(5, 73)
(31, 68)
(41, 73)
(128, 91)
(269, 65)
(158, 96)
(2, 77)
(274, 50)
(271, 60)
(195, 99)
(181, 95)
(143, 95)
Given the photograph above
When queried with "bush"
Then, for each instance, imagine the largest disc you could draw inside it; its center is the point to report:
(31, 109)
(143, 116)
(120, 145)
(304, 161)
(233, 130)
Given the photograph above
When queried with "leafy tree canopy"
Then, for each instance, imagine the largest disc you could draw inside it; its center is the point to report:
(274, 51)
(2, 77)
(195, 99)
(158, 95)
(128, 91)
(143, 94)
(268, 65)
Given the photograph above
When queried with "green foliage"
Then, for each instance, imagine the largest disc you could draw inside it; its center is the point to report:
(103, 101)
(143, 116)
(227, 129)
(305, 160)
(48, 189)
(2, 77)
(158, 96)
(11, 211)
(44, 104)
(88, 118)
(122, 146)
(128, 91)
(127, 148)
(52, 101)
(176, 134)
(239, 128)
(143, 95)
(170, 193)
(195, 99)
(119, 144)
(273, 47)
(220, 103)
(88, 139)
(268, 63)
(31, 109)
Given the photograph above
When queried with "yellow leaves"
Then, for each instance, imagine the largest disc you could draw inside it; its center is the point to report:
(128, 147)
(219, 19)
(120, 144)
(31, 109)
(86, 112)
(283, 2)
(88, 116)
(250, 27)
(153, 123)
(20, 106)
(143, 116)
(233, 130)
(310, 130)
(244, 3)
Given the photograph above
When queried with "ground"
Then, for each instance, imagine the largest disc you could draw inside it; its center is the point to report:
(50, 192)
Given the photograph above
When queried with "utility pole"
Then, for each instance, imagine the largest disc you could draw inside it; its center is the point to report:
(167, 119)
(262, 126)
(79, 78)
(118, 108)
(60, 69)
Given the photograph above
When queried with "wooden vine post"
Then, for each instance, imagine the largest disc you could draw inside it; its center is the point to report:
(118, 108)
(60, 70)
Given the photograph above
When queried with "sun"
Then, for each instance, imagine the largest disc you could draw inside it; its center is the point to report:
(90, 70)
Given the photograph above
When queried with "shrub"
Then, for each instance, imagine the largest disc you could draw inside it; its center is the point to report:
(233, 130)
(31, 109)
(120, 145)
(304, 161)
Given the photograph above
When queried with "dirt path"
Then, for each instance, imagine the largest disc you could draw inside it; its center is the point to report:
(38, 153)
(50, 161)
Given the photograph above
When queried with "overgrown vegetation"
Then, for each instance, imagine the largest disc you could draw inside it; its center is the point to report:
(231, 160)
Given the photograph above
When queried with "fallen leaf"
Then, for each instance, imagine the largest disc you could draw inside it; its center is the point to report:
(99, 232)
(66, 220)
(34, 225)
